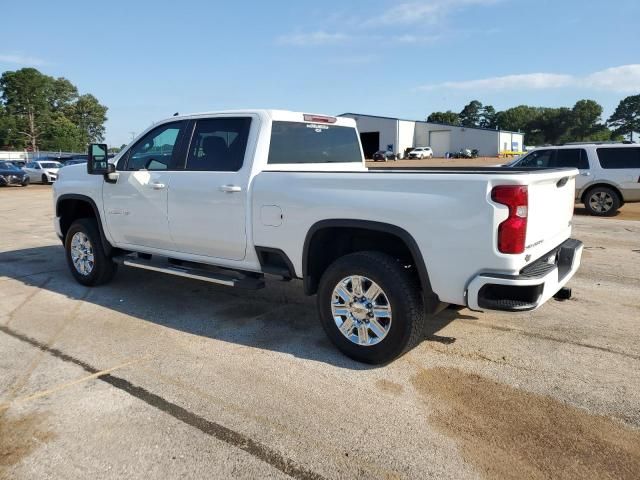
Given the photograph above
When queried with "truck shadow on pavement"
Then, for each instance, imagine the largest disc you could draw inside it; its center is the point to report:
(278, 318)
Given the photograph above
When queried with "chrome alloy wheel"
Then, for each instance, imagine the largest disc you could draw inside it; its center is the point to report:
(82, 253)
(361, 310)
(601, 202)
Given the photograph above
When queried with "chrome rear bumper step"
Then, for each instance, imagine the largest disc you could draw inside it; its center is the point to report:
(203, 273)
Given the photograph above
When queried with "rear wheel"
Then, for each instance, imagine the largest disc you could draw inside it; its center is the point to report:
(25, 182)
(85, 254)
(370, 307)
(602, 201)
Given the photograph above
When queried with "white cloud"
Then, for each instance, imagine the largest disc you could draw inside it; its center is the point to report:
(425, 11)
(354, 59)
(625, 78)
(524, 81)
(312, 39)
(416, 39)
(21, 59)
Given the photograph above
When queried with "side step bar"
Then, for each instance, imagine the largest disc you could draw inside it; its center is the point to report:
(189, 270)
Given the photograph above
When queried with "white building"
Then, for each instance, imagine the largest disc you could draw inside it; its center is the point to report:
(395, 134)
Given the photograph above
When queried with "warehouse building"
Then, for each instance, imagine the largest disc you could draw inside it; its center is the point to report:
(395, 134)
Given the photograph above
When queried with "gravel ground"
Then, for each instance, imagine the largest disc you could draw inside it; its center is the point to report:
(153, 376)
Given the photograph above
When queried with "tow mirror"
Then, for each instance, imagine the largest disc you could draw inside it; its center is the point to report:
(97, 163)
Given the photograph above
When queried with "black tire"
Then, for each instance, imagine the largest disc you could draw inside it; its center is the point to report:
(103, 267)
(25, 182)
(602, 201)
(44, 179)
(404, 296)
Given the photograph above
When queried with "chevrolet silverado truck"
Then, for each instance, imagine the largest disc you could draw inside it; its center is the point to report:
(229, 197)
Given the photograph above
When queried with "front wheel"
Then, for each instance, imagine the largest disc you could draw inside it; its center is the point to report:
(370, 307)
(602, 201)
(85, 254)
(44, 179)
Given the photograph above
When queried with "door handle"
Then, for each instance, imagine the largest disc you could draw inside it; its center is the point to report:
(585, 174)
(158, 186)
(230, 188)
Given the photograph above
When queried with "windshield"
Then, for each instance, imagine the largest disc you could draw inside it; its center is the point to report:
(50, 164)
(8, 166)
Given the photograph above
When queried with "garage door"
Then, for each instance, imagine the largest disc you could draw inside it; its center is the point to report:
(370, 143)
(440, 142)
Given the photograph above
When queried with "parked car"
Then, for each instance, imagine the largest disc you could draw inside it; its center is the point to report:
(74, 161)
(42, 171)
(384, 155)
(609, 173)
(12, 175)
(229, 197)
(463, 153)
(421, 152)
(18, 163)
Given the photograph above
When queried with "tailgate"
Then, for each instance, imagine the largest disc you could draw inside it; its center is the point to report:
(551, 202)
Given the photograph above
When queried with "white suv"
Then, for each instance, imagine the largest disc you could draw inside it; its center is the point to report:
(609, 172)
(421, 152)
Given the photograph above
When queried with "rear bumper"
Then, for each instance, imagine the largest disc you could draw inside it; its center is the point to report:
(534, 285)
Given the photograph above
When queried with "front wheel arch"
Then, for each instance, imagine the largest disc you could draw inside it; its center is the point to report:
(71, 207)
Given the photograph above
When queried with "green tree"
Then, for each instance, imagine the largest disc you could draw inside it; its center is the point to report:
(89, 116)
(447, 118)
(487, 117)
(8, 133)
(585, 120)
(25, 95)
(517, 118)
(36, 107)
(471, 114)
(626, 118)
(553, 124)
(62, 134)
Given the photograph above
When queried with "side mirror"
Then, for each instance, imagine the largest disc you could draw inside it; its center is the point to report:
(97, 162)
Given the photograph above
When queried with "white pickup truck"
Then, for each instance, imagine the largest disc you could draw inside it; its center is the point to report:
(228, 197)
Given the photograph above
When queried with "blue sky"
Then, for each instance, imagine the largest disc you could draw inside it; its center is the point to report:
(146, 60)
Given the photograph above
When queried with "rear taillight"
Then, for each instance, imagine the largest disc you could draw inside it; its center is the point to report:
(512, 233)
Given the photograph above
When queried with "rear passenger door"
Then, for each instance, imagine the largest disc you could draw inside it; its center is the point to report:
(621, 166)
(208, 197)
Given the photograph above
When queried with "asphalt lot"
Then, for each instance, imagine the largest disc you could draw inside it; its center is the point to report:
(154, 376)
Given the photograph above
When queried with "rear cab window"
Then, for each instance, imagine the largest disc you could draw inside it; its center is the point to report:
(306, 143)
(619, 157)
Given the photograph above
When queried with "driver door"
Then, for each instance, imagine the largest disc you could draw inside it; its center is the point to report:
(136, 204)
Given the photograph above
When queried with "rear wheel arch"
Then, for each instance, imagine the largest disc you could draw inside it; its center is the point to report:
(71, 207)
(589, 188)
(328, 240)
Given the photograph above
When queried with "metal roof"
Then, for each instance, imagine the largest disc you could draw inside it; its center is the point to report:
(424, 121)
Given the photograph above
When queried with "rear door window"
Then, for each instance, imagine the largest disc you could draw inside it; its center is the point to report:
(219, 144)
(296, 142)
(572, 158)
(619, 158)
